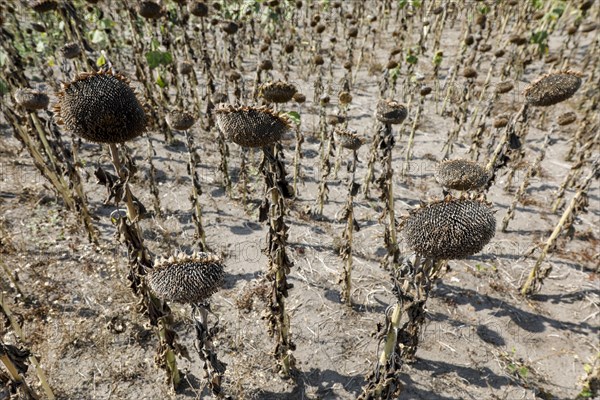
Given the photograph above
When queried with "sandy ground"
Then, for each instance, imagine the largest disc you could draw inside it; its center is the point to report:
(482, 340)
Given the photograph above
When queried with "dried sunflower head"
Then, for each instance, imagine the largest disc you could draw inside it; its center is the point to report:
(198, 8)
(187, 279)
(449, 229)
(504, 87)
(335, 119)
(31, 99)
(566, 118)
(299, 98)
(42, 6)
(150, 9)
(101, 107)
(518, 40)
(345, 98)
(278, 92)
(391, 112)
(186, 67)
(501, 121)
(552, 88)
(250, 126)
(230, 27)
(425, 90)
(470, 72)
(180, 120)
(348, 139)
(265, 65)
(70, 50)
(461, 174)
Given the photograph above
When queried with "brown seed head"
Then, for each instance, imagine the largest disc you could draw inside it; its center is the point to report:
(469, 72)
(391, 64)
(198, 8)
(461, 174)
(31, 99)
(250, 126)
(299, 98)
(504, 87)
(552, 88)
(186, 67)
(335, 119)
(566, 118)
(449, 229)
(70, 50)
(43, 6)
(187, 279)
(278, 92)
(391, 112)
(101, 107)
(485, 47)
(501, 121)
(150, 9)
(180, 120)
(230, 27)
(348, 139)
(345, 98)
(518, 40)
(265, 65)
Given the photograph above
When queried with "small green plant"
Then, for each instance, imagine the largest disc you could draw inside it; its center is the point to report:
(591, 381)
(541, 39)
(486, 269)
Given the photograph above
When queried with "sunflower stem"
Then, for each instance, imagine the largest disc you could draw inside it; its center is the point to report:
(131, 210)
(536, 278)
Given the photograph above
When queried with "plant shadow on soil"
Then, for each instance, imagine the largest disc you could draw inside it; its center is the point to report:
(322, 380)
(526, 320)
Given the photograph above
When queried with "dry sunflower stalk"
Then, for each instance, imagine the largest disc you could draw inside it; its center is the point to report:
(102, 107)
(447, 229)
(193, 279)
(260, 127)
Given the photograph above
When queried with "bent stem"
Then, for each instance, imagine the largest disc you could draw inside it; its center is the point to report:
(13, 371)
(19, 333)
(131, 211)
(213, 368)
(536, 277)
(491, 166)
(39, 161)
(413, 283)
(158, 311)
(79, 199)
